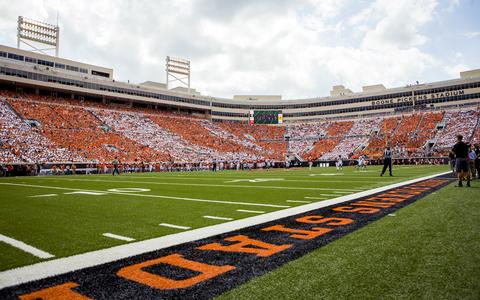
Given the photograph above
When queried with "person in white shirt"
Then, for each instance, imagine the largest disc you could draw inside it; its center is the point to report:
(339, 163)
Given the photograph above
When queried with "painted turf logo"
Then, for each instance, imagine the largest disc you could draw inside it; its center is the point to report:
(206, 268)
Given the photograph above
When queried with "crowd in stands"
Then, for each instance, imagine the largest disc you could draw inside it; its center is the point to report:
(461, 122)
(50, 129)
(22, 143)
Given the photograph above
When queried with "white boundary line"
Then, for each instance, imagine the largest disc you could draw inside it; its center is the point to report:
(174, 226)
(93, 192)
(24, 247)
(118, 237)
(80, 261)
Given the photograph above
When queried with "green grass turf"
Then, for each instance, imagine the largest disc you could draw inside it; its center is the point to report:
(428, 250)
(71, 224)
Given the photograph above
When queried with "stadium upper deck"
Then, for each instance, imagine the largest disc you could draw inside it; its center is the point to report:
(41, 72)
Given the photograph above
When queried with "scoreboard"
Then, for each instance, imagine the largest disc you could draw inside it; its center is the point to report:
(266, 117)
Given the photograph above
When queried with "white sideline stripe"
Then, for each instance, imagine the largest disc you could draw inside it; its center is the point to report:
(145, 195)
(218, 218)
(299, 201)
(175, 226)
(118, 237)
(45, 195)
(206, 185)
(80, 261)
(251, 211)
(24, 247)
(316, 198)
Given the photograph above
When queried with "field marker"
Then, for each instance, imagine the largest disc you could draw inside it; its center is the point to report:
(118, 237)
(315, 198)
(175, 226)
(24, 247)
(45, 195)
(85, 192)
(218, 218)
(328, 195)
(340, 192)
(145, 195)
(299, 201)
(251, 211)
(129, 190)
(94, 258)
(213, 185)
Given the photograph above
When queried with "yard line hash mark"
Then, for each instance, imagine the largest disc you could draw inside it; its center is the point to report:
(44, 195)
(251, 211)
(174, 226)
(218, 218)
(118, 237)
(24, 247)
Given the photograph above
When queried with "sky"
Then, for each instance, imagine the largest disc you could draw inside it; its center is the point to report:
(297, 49)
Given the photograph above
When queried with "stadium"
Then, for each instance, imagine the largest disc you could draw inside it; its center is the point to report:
(153, 190)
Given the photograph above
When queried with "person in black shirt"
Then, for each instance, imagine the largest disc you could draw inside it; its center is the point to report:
(115, 164)
(461, 166)
(387, 161)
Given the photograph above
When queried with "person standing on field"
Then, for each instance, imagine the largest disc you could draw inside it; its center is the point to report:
(387, 161)
(115, 164)
(461, 166)
(477, 160)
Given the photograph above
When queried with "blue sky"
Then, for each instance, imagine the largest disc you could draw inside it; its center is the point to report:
(294, 48)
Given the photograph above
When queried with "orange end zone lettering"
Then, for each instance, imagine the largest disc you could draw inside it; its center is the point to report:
(321, 220)
(360, 210)
(261, 249)
(299, 233)
(135, 272)
(57, 292)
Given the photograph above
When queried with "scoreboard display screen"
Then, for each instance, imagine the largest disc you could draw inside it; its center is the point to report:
(267, 116)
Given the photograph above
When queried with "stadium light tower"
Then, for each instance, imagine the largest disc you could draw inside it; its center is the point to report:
(178, 69)
(46, 34)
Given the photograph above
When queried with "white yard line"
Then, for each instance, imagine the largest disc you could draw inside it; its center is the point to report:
(316, 198)
(80, 261)
(174, 226)
(251, 211)
(218, 218)
(329, 195)
(24, 247)
(340, 192)
(118, 237)
(206, 185)
(45, 195)
(146, 195)
(298, 201)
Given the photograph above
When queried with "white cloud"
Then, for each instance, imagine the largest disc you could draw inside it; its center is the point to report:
(295, 48)
(454, 70)
(472, 34)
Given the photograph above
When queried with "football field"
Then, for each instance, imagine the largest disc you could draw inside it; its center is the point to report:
(411, 253)
(67, 215)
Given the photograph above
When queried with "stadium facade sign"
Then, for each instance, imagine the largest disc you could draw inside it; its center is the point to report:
(412, 99)
(206, 268)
